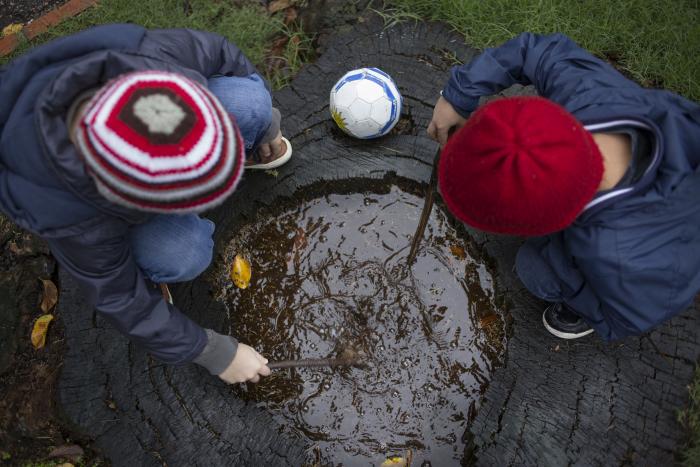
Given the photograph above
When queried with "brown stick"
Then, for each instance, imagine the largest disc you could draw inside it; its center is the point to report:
(427, 208)
(314, 362)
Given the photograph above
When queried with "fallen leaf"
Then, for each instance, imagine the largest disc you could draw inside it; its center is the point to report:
(290, 15)
(487, 320)
(278, 5)
(69, 451)
(458, 251)
(41, 326)
(50, 297)
(556, 349)
(11, 29)
(278, 45)
(274, 59)
(240, 272)
(394, 462)
(65, 464)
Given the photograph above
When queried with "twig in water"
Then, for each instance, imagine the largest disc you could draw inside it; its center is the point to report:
(346, 358)
(425, 214)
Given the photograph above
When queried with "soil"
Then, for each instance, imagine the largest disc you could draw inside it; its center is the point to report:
(31, 424)
(23, 11)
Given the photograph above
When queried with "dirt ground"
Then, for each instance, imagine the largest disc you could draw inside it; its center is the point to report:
(31, 425)
(21, 11)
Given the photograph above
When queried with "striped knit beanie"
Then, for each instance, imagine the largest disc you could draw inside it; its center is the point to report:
(157, 141)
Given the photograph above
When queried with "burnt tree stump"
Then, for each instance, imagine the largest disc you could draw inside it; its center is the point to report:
(553, 402)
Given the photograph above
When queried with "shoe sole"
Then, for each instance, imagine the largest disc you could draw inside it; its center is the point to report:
(283, 159)
(564, 335)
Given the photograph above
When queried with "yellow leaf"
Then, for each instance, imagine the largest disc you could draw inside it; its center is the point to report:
(11, 29)
(240, 272)
(278, 5)
(41, 326)
(394, 462)
(50, 297)
(458, 251)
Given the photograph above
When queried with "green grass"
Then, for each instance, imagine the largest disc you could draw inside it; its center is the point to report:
(655, 42)
(248, 26)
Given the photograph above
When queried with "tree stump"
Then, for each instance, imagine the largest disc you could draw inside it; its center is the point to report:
(553, 402)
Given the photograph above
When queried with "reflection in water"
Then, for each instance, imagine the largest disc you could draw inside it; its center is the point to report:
(331, 273)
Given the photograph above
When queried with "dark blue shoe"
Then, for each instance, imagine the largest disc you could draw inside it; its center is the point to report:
(564, 323)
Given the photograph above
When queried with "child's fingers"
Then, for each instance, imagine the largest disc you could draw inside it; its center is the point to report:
(431, 130)
(442, 134)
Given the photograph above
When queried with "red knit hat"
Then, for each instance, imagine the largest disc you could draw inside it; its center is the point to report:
(520, 166)
(160, 142)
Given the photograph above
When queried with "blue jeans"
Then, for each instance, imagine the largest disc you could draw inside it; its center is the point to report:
(249, 101)
(177, 248)
(173, 247)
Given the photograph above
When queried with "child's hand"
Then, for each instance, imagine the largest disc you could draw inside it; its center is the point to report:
(247, 365)
(445, 117)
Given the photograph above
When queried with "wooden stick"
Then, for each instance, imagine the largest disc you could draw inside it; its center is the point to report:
(314, 362)
(427, 208)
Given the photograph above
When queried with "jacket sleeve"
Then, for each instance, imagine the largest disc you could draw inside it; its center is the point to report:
(101, 261)
(208, 53)
(557, 67)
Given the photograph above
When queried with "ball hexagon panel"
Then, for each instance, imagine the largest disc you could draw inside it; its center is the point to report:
(369, 90)
(359, 109)
(345, 95)
(381, 111)
(365, 128)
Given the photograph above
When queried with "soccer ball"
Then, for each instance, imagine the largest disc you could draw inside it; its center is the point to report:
(365, 103)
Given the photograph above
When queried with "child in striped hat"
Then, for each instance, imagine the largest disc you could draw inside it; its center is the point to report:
(121, 136)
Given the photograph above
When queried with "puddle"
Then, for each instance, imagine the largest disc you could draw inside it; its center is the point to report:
(330, 273)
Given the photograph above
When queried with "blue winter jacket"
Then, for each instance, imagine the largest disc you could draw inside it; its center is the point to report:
(632, 258)
(45, 188)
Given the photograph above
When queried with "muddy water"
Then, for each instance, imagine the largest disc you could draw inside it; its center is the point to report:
(330, 273)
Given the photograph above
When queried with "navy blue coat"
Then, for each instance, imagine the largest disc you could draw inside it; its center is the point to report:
(45, 188)
(632, 258)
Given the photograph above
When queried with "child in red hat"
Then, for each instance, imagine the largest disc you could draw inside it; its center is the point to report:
(601, 175)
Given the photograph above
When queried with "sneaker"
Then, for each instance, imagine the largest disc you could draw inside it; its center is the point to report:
(564, 323)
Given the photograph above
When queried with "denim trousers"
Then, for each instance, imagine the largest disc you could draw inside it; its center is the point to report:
(179, 247)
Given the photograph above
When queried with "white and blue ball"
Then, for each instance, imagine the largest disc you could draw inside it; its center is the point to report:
(366, 103)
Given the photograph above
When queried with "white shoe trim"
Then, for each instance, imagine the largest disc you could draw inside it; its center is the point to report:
(564, 335)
